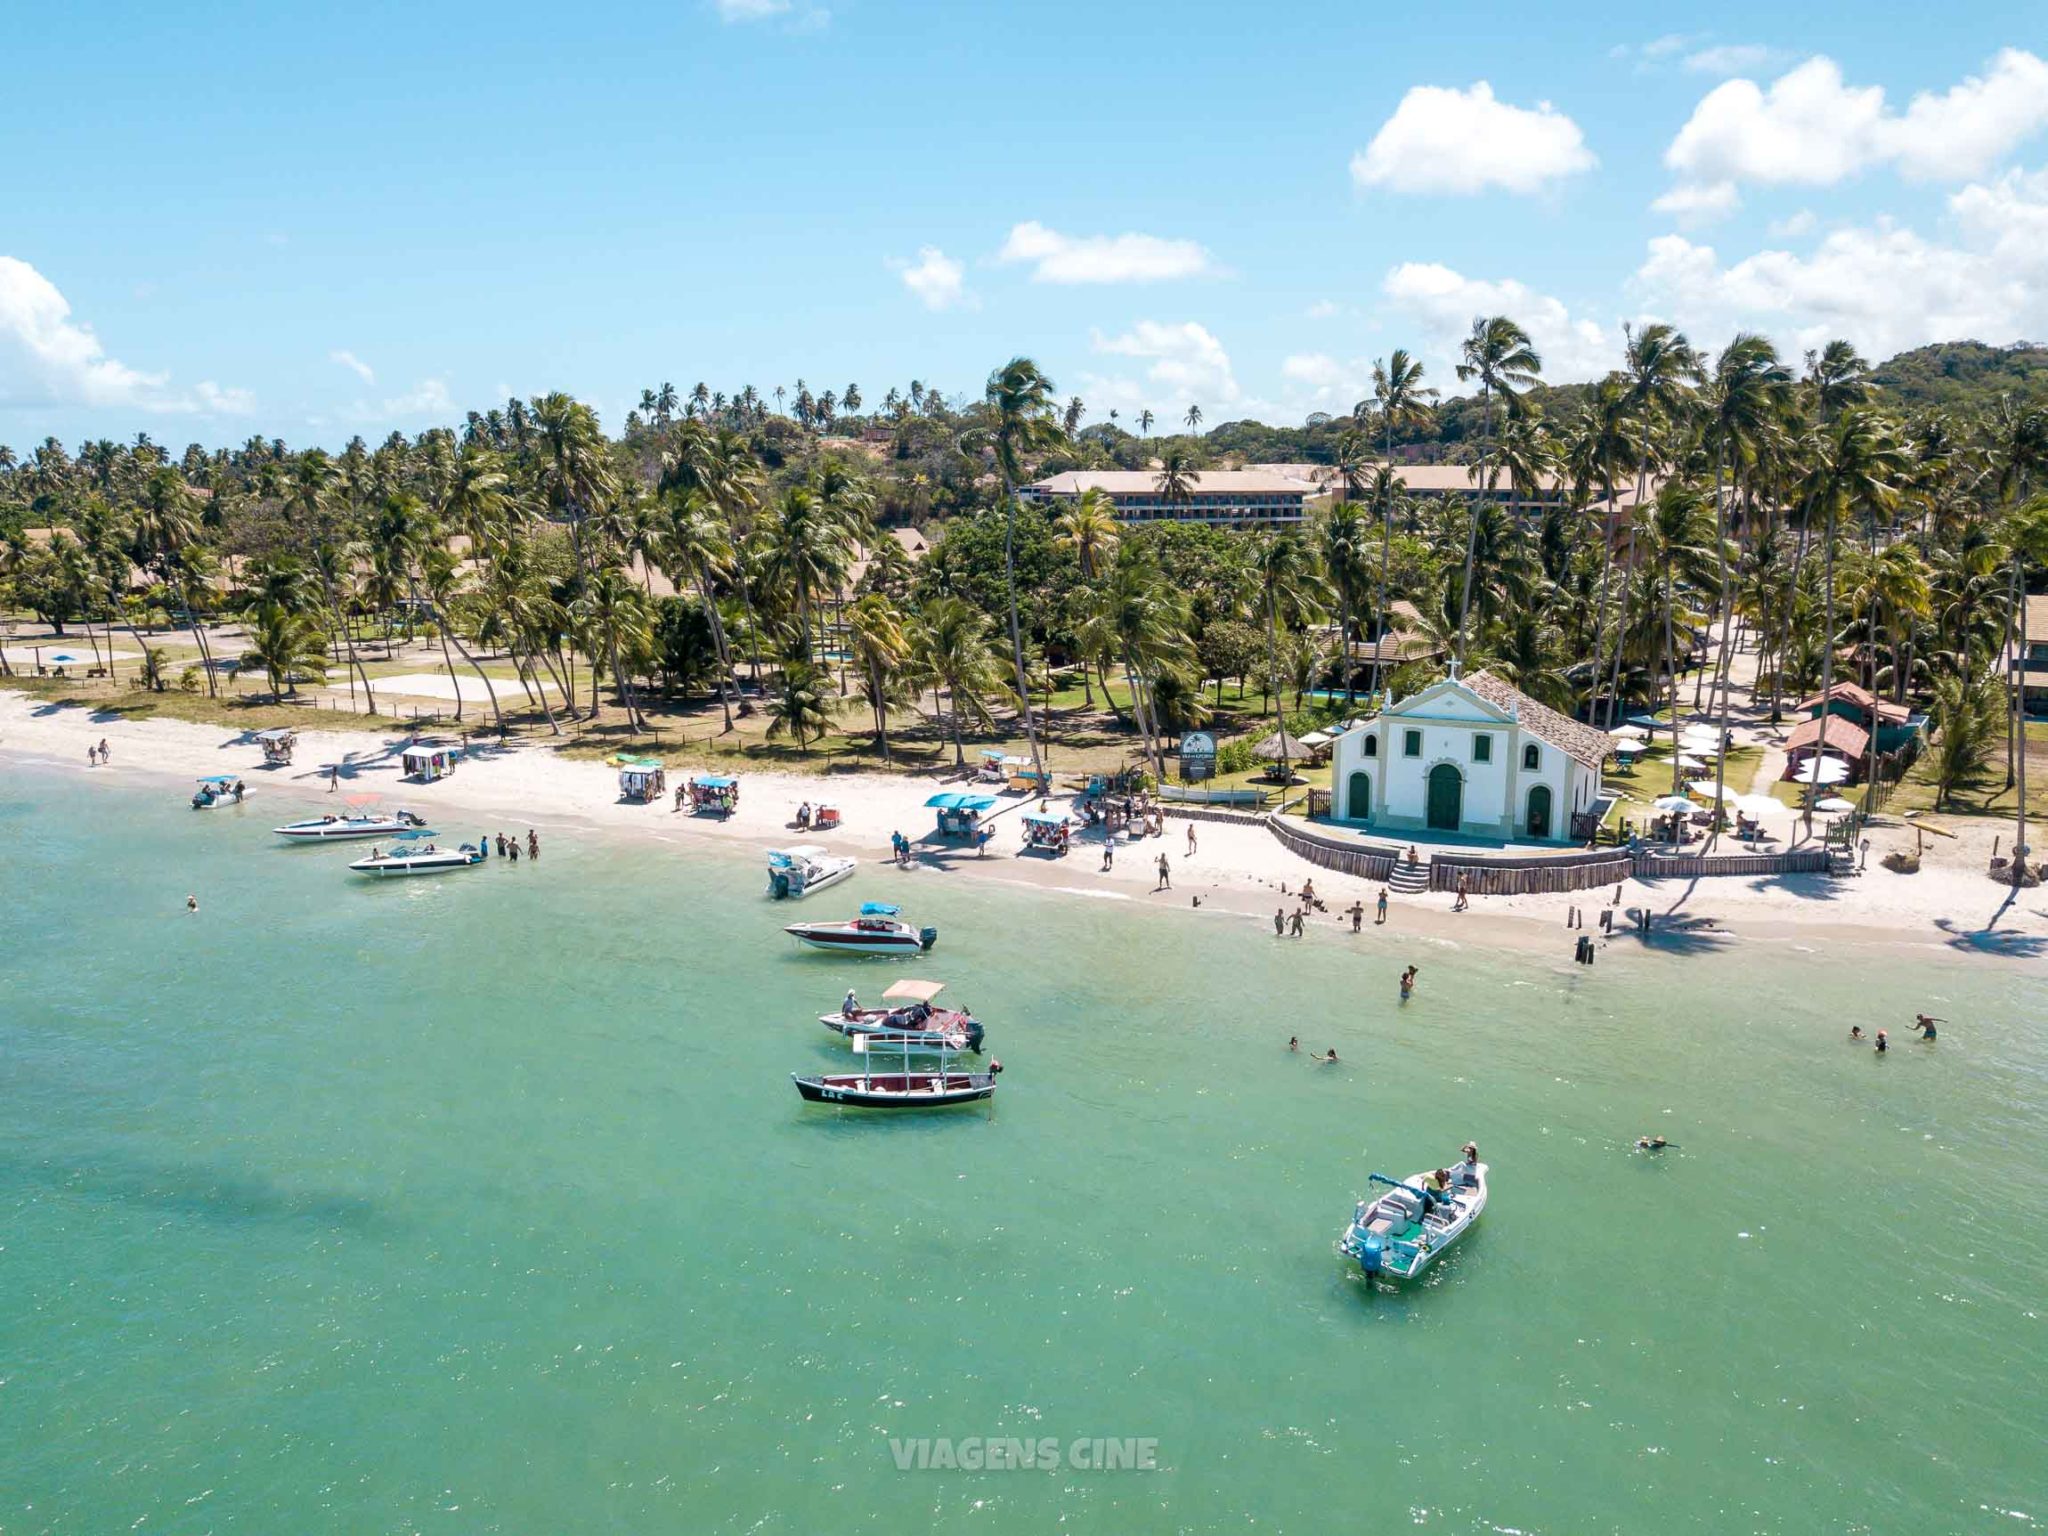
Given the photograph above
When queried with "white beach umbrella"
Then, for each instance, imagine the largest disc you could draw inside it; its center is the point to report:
(1673, 803)
(1826, 770)
(1706, 789)
(1629, 733)
(1690, 763)
(1834, 805)
(1755, 805)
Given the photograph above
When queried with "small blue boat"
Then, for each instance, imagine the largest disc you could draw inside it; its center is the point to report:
(1408, 1228)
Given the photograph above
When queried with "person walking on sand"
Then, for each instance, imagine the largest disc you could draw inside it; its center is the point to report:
(1165, 875)
(92, 756)
(106, 752)
(1108, 856)
(1382, 917)
(1191, 839)
(532, 844)
(1464, 895)
(1357, 914)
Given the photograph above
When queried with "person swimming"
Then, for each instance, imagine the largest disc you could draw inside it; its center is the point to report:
(1855, 1031)
(1651, 1143)
(1328, 1060)
(1294, 1042)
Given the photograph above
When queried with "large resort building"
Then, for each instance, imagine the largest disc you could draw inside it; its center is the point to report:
(1263, 493)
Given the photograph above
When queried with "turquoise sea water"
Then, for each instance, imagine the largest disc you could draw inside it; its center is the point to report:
(484, 1204)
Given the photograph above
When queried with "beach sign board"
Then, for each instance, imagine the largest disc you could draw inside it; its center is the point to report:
(1197, 756)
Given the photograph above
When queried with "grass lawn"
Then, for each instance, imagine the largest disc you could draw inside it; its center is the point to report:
(1990, 795)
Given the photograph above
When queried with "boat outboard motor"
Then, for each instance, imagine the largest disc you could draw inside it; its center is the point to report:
(1371, 1252)
(781, 883)
(974, 1035)
(927, 937)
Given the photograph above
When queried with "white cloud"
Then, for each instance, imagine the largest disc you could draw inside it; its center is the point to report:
(353, 364)
(213, 400)
(1883, 286)
(939, 281)
(1699, 202)
(1657, 48)
(1810, 128)
(1794, 226)
(1185, 365)
(49, 359)
(1129, 258)
(1444, 303)
(796, 17)
(426, 401)
(1325, 383)
(1452, 141)
(1324, 309)
(1732, 59)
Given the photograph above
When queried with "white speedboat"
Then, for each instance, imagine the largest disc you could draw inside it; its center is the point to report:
(878, 930)
(217, 790)
(1408, 1228)
(325, 829)
(417, 858)
(797, 872)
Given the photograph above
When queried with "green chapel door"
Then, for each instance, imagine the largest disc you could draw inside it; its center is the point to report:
(1539, 811)
(1446, 798)
(1358, 803)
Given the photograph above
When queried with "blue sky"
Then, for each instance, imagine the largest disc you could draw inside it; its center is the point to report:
(228, 219)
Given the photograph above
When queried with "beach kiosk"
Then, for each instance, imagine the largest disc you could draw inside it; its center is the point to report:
(640, 779)
(960, 814)
(425, 762)
(277, 745)
(715, 794)
(1047, 832)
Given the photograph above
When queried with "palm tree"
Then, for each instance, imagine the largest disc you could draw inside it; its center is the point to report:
(1751, 392)
(881, 650)
(694, 549)
(1177, 477)
(1145, 420)
(287, 645)
(1144, 619)
(1405, 404)
(1026, 424)
(2027, 535)
(801, 705)
(165, 533)
(1193, 417)
(615, 618)
(1499, 354)
(1290, 588)
(1965, 713)
(1861, 465)
(1089, 527)
(950, 640)
(1341, 541)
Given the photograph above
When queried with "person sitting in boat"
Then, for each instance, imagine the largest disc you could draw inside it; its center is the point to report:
(376, 854)
(851, 1006)
(1439, 1180)
(1468, 1170)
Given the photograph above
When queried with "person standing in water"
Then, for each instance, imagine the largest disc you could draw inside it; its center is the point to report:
(532, 844)
(1382, 915)
(1279, 922)
(1408, 982)
(192, 903)
(1925, 1025)
(1883, 1044)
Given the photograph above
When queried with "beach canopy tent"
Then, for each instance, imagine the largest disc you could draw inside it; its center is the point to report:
(959, 814)
(1047, 829)
(714, 792)
(640, 778)
(427, 762)
(913, 991)
(277, 743)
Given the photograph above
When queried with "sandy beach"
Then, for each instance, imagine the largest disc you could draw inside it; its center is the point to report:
(1237, 870)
